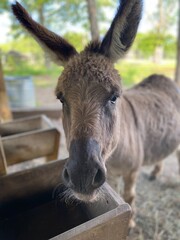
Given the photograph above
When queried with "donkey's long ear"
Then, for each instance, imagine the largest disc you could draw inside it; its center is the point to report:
(56, 47)
(123, 29)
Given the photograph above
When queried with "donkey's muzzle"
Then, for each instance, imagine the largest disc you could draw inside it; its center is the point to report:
(84, 171)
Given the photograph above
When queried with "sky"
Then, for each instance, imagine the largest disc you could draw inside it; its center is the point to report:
(149, 7)
(5, 25)
(145, 25)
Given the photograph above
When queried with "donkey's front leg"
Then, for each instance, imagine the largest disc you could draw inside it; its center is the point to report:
(129, 192)
(156, 171)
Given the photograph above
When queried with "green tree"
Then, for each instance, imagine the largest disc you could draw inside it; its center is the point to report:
(97, 12)
(77, 39)
(177, 76)
(146, 44)
(58, 15)
(92, 13)
(163, 19)
(61, 16)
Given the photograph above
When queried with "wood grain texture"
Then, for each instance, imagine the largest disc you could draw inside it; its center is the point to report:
(51, 112)
(3, 165)
(29, 138)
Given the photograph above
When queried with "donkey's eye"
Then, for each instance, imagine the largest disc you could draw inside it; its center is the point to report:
(61, 100)
(60, 97)
(113, 99)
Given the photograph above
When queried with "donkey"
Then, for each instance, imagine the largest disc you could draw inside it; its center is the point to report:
(105, 127)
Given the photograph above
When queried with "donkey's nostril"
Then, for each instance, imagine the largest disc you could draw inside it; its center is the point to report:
(66, 175)
(99, 178)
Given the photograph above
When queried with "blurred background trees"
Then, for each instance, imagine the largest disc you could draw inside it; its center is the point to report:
(92, 14)
(154, 50)
(177, 75)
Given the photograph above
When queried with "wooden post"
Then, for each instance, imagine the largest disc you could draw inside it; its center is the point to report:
(3, 164)
(92, 12)
(5, 112)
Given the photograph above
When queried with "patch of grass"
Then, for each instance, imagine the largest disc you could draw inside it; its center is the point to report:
(33, 70)
(133, 72)
(42, 76)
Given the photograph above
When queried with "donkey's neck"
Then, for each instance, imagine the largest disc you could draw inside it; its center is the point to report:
(129, 150)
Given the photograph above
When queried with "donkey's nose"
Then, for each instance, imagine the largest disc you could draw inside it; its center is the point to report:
(81, 182)
(66, 176)
(99, 178)
(84, 171)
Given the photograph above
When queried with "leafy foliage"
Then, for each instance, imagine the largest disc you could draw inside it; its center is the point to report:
(69, 18)
(133, 72)
(78, 40)
(58, 15)
(164, 16)
(146, 44)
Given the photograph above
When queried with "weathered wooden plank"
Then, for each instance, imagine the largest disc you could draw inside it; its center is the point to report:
(29, 138)
(112, 225)
(24, 125)
(110, 219)
(35, 144)
(62, 221)
(3, 165)
(31, 182)
(51, 112)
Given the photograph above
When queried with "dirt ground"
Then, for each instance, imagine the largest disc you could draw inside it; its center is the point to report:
(157, 202)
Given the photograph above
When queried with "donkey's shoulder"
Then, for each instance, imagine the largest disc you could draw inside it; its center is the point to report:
(156, 86)
(160, 83)
(156, 81)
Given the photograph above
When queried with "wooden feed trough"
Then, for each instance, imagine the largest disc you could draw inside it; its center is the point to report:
(27, 210)
(27, 138)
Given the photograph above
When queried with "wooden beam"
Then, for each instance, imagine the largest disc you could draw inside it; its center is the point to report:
(5, 112)
(51, 112)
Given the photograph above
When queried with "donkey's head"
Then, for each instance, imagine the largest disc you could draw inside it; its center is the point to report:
(90, 91)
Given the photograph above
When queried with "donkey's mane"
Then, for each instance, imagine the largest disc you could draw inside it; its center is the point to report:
(99, 68)
(93, 47)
